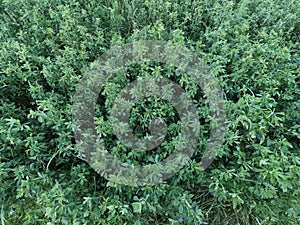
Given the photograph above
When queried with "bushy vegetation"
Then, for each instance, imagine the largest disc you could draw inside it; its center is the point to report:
(252, 46)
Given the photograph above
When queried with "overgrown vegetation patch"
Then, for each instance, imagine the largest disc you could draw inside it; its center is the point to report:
(252, 47)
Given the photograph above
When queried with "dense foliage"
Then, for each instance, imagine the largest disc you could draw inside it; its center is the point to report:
(252, 46)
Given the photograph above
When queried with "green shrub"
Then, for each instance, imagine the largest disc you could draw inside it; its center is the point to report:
(251, 46)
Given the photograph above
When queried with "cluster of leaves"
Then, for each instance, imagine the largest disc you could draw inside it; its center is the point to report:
(252, 46)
